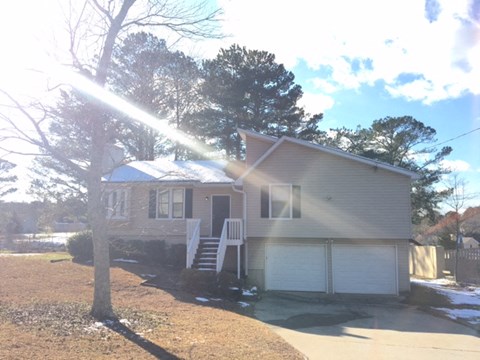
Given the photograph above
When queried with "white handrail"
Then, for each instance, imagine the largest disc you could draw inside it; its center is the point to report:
(232, 230)
(222, 246)
(193, 240)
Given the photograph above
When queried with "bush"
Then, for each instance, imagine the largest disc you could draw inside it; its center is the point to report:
(177, 255)
(224, 284)
(198, 281)
(155, 251)
(80, 246)
(229, 286)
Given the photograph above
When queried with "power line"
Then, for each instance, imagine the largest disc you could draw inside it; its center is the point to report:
(454, 138)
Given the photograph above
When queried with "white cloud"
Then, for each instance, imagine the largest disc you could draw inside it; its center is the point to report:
(316, 103)
(395, 37)
(456, 165)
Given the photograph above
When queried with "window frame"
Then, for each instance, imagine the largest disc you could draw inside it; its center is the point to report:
(171, 203)
(116, 202)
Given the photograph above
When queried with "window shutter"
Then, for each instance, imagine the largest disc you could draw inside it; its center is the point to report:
(152, 204)
(264, 202)
(188, 203)
(296, 202)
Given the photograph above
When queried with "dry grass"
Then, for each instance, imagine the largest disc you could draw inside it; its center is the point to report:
(44, 314)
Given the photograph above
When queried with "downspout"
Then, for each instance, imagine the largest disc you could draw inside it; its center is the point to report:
(244, 198)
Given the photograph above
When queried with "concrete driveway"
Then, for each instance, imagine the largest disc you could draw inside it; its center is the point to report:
(361, 328)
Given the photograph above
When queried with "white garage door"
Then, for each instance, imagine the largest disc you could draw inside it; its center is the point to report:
(295, 267)
(364, 269)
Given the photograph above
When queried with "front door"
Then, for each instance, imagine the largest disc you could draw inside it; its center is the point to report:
(220, 212)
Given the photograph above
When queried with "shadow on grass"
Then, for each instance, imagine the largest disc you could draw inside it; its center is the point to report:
(147, 345)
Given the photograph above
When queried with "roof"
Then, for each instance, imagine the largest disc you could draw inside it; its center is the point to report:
(168, 171)
(328, 150)
(267, 138)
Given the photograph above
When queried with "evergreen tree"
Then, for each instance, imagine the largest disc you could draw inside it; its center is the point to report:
(249, 89)
(7, 180)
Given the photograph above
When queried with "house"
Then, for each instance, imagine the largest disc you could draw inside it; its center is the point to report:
(296, 216)
(470, 243)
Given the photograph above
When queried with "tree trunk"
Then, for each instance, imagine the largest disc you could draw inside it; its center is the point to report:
(102, 305)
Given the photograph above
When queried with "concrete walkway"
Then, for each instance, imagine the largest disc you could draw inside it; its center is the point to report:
(361, 330)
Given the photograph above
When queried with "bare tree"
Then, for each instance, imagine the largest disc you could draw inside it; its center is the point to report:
(457, 199)
(94, 28)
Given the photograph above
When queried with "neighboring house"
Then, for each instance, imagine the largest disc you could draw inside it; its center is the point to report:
(470, 243)
(296, 216)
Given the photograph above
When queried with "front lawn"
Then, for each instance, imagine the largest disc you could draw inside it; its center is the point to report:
(44, 304)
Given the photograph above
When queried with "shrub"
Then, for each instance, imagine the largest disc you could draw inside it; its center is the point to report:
(229, 286)
(155, 251)
(177, 256)
(80, 246)
(198, 281)
(224, 284)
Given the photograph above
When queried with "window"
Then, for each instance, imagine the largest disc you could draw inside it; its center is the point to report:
(163, 210)
(116, 203)
(280, 201)
(170, 204)
(177, 203)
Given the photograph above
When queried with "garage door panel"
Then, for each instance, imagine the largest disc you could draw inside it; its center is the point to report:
(365, 269)
(295, 267)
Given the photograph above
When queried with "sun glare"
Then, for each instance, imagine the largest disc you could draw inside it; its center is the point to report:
(87, 86)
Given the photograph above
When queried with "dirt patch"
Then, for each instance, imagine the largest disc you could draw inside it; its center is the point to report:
(44, 314)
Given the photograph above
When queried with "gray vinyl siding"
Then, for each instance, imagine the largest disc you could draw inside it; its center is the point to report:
(341, 198)
(256, 257)
(139, 227)
(255, 148)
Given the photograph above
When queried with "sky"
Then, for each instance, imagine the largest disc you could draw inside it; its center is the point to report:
(357, 61)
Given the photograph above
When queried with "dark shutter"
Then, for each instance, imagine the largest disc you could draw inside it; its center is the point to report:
(188, 203)
(296, 202)
(264, 202)
(152, 204)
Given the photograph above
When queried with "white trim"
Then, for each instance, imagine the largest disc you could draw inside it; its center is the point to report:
(328, 150)
(211, 209)
(267, 138)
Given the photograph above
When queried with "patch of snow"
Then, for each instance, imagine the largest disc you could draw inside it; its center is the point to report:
(434, 282)
(251, 292)
(234, 288)
(243, 304)
(126, 261)
(471, 315)
(125, 322)
(457, 296)
(204, 171)
(148, 275)
(216, 299)
(22, 254)
(201, 299)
